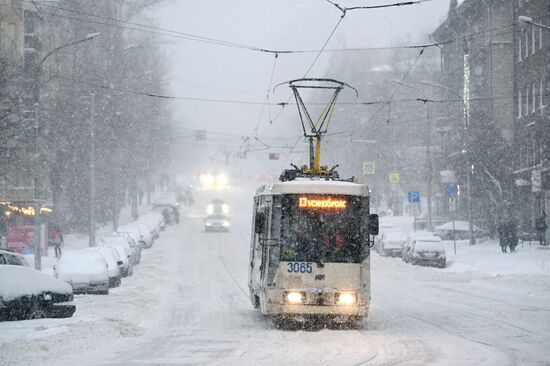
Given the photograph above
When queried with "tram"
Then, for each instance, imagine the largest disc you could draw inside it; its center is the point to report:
(310, 250)
(310, 246)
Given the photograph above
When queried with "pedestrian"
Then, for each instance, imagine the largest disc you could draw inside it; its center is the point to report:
(512, 234)
(540, 226)
(57, 238)
(502, 237)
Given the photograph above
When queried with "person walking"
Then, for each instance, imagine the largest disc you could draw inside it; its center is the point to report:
(540, 226)
(512, 235)
(502, 237)
(57, 238)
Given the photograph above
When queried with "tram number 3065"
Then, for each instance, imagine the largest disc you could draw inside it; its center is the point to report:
(299, 267)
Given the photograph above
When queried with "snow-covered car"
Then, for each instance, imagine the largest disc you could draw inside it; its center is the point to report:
(217, 222)
(426, 251)
(392, 243)
(85, 270)
(139, 234)
(15, 259)
(153, 222)
(168, 206)
(124, 252)
(29, 294)
(114, 265)
(135, 249)
(461, 231)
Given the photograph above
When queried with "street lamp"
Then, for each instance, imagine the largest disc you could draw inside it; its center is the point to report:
(464, 151)
(428, 150)
(36, 127)
(529, 20)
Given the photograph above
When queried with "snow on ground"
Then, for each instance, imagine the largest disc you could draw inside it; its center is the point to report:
(188, 304)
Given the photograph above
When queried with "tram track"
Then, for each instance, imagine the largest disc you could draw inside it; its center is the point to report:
(509, 355)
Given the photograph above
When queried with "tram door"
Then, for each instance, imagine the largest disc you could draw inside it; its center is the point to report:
(265, 207)
(259, 255)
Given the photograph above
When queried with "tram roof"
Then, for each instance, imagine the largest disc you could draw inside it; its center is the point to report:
(315, 186)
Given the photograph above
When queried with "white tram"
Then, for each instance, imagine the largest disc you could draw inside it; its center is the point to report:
(310, 250)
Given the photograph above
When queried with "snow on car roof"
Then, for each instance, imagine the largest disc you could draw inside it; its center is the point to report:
(20, 281)
(396, 235)
(315, 186)
(459, 226)
(81, 261)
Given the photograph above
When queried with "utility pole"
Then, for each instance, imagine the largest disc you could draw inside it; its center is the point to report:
(429, 165)
(92, 170)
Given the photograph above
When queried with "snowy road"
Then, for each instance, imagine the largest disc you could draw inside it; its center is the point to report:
(188, 304)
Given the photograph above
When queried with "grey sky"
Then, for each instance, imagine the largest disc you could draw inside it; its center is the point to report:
(208, 71)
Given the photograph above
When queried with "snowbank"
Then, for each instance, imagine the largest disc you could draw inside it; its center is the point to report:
(487, 259)
(17, 281)
(459, 226)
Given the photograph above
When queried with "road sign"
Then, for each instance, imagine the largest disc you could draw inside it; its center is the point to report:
(414, 197)
(453, 190)
(394, 178)
(369, 168)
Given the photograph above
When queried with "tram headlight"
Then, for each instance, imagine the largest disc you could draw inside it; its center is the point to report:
(226, 223)
(346, 298)
(225, 208)
(210, 209)
(295, 297)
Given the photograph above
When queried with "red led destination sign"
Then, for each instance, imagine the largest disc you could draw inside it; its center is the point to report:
(328, 203)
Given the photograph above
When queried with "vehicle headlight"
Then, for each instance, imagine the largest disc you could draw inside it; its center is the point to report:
(208, 223)
(346, 298)
(210, 209)
(225, 208)
(222, 179)
(226, 223)
(295, 297)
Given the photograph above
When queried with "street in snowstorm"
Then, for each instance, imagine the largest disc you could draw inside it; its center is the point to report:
(268, 182)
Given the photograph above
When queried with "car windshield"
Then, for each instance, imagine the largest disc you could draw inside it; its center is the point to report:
(326, 235)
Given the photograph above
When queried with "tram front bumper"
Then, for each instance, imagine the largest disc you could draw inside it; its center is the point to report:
(291, 309)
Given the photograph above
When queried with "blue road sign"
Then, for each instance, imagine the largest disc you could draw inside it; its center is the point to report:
(453, 191)
(414, 197)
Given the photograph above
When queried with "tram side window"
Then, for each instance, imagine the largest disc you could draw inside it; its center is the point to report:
(275, 236)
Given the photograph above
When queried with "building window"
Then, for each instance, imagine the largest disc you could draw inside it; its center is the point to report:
(519, 45)
(533, 44)
(533, 93)
(519, 104)
(526, 43)
(541, 98)
(526, 101)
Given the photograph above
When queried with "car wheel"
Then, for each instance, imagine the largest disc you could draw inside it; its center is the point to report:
(37, 312)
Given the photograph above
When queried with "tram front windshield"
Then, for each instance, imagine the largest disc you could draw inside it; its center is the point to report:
(322, 228)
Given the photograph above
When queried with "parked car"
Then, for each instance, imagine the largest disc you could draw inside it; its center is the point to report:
(135, 250)
(153, 222)
(461, 231)
(114, 265)
(140, 235)
(29, 294)
(85, 270)
(168, 206)
(425, 250)
(216, 222)
(8, 257)
(392, 243)
(124, 252)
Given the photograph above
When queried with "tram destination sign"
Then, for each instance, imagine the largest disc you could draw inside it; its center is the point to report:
(323, 203)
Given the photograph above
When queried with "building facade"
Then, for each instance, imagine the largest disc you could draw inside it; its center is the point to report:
(477, 83)
(532, 116)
